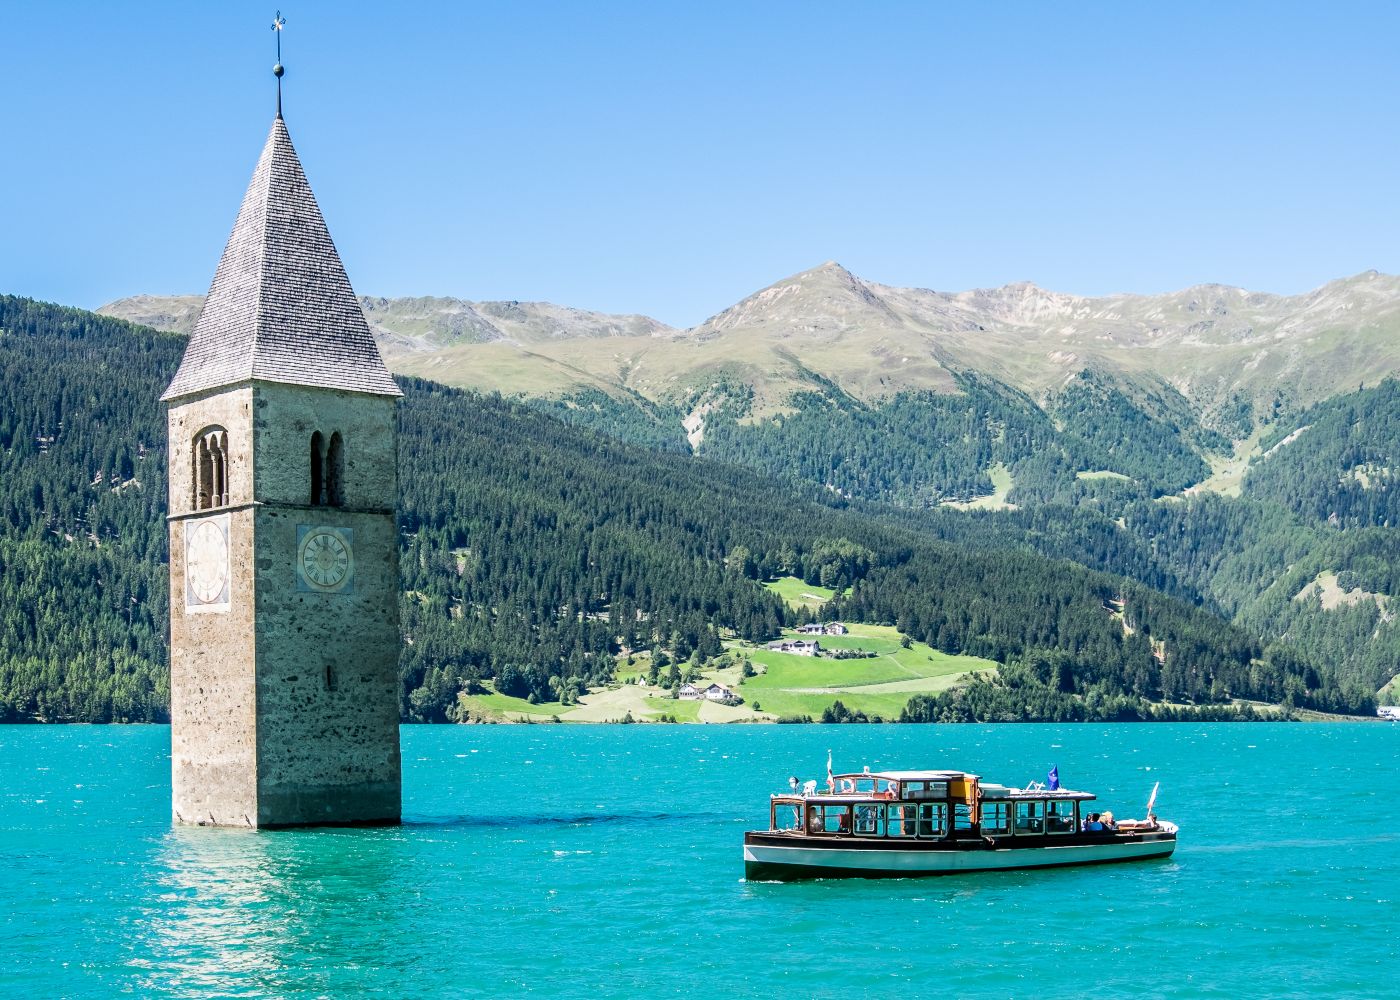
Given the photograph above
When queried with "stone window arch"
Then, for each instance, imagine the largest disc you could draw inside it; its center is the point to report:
(327, 470)
(209, 469)
(318, 470)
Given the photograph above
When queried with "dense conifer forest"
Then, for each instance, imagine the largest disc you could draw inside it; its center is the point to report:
(533, 550)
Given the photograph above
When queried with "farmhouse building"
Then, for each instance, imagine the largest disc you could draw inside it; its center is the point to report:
(797, 647)
(720, 693)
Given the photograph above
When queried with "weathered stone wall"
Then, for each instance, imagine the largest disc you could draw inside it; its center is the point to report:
(284, 706)
(328, 669)
(328, 737)
(212, 667)
(287, 416)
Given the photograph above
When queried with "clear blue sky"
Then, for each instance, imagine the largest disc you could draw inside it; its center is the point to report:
(671, 158)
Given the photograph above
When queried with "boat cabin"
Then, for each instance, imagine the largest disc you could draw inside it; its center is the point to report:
(927, 805)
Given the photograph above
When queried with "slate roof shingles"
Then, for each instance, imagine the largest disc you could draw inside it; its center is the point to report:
(281, 308)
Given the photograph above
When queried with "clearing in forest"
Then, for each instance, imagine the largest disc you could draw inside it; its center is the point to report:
(798, 593)
(786, 685)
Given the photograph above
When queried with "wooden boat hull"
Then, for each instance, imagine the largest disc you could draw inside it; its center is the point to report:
(779, 857)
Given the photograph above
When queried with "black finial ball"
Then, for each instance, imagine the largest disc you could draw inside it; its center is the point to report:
(278, 70)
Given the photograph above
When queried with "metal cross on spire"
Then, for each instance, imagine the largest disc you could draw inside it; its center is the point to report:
(278, 23)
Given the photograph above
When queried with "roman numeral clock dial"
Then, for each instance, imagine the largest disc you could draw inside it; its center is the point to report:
(325, 559)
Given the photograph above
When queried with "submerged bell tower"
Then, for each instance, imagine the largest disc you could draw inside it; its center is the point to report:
(284, 575)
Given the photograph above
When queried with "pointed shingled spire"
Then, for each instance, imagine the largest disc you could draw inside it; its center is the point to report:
(281, 308)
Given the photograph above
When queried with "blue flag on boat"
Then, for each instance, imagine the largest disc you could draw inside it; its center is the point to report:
(1054, 778)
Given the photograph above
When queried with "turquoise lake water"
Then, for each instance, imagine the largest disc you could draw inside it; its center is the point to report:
(563, 861)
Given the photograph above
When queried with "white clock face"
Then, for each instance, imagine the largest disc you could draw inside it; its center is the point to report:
(206, 563)
(325, 559)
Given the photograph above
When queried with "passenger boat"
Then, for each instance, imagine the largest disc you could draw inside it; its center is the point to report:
(898, 824)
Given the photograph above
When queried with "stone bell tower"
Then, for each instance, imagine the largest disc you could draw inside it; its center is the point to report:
(284, 574)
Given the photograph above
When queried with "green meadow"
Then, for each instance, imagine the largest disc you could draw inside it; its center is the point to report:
(799, 593)
(785, 685)
(791, 685)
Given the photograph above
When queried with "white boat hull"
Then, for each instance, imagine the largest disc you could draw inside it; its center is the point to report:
(807, 860)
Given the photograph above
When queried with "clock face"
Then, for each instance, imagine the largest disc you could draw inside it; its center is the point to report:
(325, 559)
(206, 564)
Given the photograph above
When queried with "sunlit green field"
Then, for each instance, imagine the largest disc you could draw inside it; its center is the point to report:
(804, 685)
(786, 685)
(799, 593)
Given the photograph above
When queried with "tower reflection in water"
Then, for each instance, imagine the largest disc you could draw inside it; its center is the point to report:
(243, 912)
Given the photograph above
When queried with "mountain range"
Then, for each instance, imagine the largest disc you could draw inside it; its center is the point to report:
(1222, 349)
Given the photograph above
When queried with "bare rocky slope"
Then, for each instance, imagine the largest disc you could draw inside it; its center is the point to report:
(1221, 347)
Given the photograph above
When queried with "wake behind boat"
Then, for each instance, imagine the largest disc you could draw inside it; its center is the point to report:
(909, 823)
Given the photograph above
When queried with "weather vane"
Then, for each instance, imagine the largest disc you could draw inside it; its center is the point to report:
(278, 23)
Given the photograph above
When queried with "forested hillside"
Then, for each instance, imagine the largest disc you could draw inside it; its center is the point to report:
(82, 515)
(533, 551)
(1099, 438)
(1310, 550)
(1097, 477)
(1337, 461)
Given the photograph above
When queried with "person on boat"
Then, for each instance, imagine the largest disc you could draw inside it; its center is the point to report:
(1107, 820)
(1134, 825)
(1092, 823)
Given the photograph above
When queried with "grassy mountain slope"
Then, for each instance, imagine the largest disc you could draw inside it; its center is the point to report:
(1234, 355)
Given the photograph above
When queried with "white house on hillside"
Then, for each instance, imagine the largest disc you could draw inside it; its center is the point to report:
(718, 692)
(797, 647)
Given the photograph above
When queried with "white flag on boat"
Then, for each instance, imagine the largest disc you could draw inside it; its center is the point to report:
(830, 780)
(1152, 799)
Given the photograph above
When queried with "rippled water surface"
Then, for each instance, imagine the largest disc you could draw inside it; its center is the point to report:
(566, 861)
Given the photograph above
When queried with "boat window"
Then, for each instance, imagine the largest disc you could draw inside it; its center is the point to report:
(1059, 817)
(902, 819)
(1030, 817)
(834, 819)
(933, 819)
(870, 821)
(994, 818)
(962, 816)
(926, 789)
(787, 816)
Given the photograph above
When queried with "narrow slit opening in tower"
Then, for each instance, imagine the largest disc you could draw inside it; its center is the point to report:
(335, 472)
(318, 466)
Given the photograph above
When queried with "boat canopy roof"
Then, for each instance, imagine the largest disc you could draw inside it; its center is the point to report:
(1002, 792)
(989, 790)
(908, 775)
